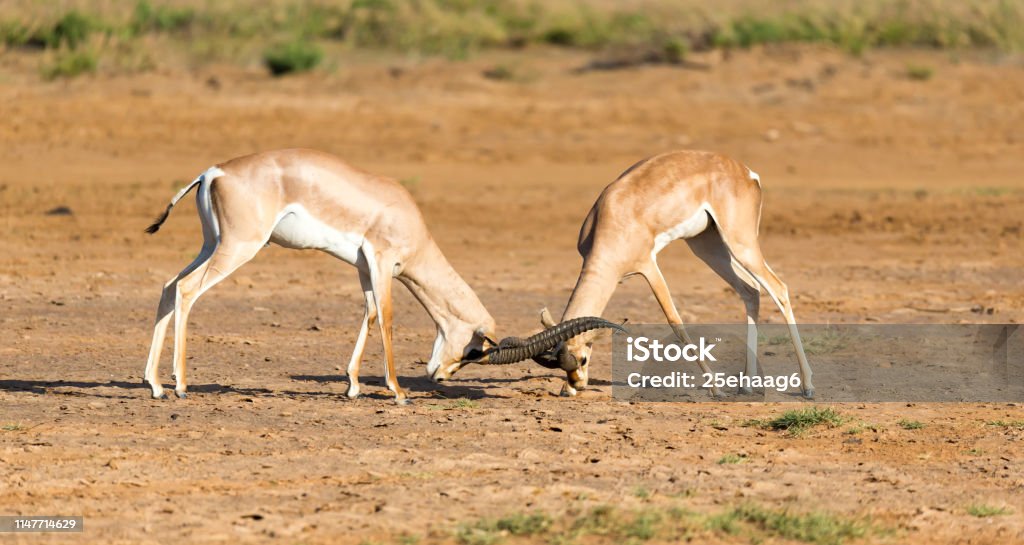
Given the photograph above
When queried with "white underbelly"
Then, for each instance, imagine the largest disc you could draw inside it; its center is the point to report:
(690, 227)
(297, 228)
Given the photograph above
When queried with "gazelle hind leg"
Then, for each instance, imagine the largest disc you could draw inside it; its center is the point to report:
(747, 254)
(369, 319)
(226, 259)
(164, 313)
(381, 279)
(660, 288)
(709, 248)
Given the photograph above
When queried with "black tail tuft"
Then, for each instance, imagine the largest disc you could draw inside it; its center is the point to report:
(159, 221)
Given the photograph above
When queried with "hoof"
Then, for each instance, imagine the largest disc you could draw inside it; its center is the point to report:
(745, 391)
(352, 393)
(402, 401)
(160, 395)
(568, 391)
(809, 393)
(181, 395)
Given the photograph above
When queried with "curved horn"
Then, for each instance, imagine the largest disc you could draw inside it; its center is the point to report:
(514, 349)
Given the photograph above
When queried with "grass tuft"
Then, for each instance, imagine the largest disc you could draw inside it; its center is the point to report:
(800, 420)
(919, 72)
(150, 18)
(488, 532)
(1017, 424)
(910, 424)
(730, 459)
(982, 510)
(69, 64)
(607, 524)
(292, 57)
(818, 528)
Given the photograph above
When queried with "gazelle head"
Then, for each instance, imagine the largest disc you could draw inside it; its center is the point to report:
(574, 358)
(548, 348)
(453, 349)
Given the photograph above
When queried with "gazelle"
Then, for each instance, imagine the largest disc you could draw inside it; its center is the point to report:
(710, 201)
(307, 199)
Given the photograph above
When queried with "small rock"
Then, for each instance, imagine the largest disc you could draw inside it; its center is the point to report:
(60, 211)
(97, 405)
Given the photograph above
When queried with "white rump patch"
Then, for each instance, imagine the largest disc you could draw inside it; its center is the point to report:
(690, 227)
(297, 228)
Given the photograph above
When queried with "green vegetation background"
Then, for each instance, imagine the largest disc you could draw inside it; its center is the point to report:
(77, 37)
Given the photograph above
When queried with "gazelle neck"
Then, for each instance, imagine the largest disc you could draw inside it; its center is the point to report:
(445, 296)
(593, 290)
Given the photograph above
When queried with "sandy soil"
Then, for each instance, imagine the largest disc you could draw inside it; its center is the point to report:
(887, 200)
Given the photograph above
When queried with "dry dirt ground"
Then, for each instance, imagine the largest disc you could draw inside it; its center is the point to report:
(887, 200)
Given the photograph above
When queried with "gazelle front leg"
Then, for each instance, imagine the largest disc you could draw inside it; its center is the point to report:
(381, 278)
(657, 282)
(369, 319)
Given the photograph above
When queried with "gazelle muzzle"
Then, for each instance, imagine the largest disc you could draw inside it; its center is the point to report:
(515, 349)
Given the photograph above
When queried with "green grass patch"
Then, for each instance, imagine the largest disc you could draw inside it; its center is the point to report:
(919, 72)
(69, 64)
(818, 528)
(982, 510)
(655, 31)
(910, 424)
(160, 18)
(607, 524)
(488, 532)
(12, 427)
(456, 404)
(1015, 424)
(71, 30)
(292, 57)
(730, 459)
(798, 421)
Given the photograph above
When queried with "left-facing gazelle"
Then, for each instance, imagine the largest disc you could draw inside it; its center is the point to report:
(710, 201)
(305, 199)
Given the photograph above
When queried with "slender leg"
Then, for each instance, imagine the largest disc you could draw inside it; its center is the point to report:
(657, 282)
(748, 254)
(164, 312)
(369, 318)
(381, 280)
(709, 247)
(227, 258)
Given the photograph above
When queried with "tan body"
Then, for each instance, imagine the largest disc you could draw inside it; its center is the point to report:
(712, 202)
(306, 199)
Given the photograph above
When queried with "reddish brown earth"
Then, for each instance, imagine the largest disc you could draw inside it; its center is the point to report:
(887, 200)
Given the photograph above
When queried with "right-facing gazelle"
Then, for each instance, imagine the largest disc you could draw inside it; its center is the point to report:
(712, 202)
(306, 199)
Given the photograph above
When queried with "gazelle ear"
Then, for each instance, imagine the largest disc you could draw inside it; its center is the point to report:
(484, 338)
(545, 318)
